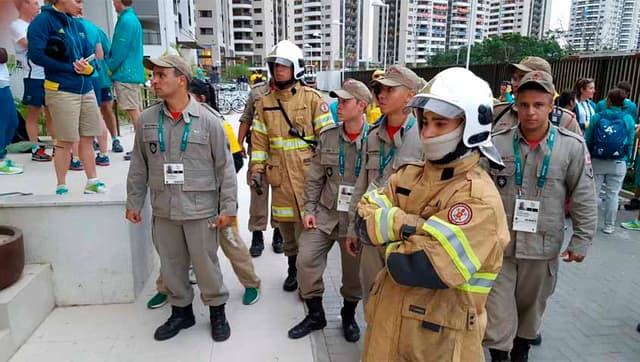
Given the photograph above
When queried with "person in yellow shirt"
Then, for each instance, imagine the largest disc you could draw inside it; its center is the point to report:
(373, 111)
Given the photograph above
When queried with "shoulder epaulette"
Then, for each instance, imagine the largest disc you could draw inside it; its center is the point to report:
(566, 132)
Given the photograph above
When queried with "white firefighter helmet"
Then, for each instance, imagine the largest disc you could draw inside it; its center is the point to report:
(457, 92)
(286, 53)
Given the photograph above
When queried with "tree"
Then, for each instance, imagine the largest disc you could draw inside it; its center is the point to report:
(235, 71)
(509, 48)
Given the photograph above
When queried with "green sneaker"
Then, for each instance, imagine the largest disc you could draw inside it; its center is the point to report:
(95, 188)
(8, 167)
(157, 301)
(631, 225)
(251, 295)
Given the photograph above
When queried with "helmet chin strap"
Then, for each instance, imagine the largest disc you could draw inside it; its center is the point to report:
(286, 84)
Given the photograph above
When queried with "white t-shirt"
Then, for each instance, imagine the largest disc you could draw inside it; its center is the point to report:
(4, 73)
(18, 30)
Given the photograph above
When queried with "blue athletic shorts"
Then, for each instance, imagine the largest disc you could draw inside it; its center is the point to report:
(33, 92)
(106, 94)
(96, 89)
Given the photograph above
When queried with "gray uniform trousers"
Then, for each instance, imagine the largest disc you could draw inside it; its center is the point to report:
(180, 244)
(314, 247)
(371, 262)
(531, 282)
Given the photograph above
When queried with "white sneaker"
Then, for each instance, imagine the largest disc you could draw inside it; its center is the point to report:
(608, 229)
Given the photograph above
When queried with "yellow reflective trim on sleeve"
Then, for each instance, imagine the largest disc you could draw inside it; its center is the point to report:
(480, 283)
(378, 220)
(259, 126)
(258, 156)
(385, 224)
(455, 243)
(282, 211)
(322, 121)
(377, 198)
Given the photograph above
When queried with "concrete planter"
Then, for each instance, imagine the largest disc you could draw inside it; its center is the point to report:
(11, 255)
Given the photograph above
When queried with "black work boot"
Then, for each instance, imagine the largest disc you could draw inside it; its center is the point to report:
(291, 283)
(277, 243)
(350, 328)
(520, 350)
(257, 244)
(313, 321)
(181, 318)
(538, 340)
(498, 355)
(220, 330)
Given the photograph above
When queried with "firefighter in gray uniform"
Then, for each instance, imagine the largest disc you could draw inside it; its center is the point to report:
(506, 114)
(544, 164)
(327, 195)
(182, 155)
(393, 142)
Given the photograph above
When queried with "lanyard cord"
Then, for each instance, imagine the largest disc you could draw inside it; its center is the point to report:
(545, 163)
(359, 159)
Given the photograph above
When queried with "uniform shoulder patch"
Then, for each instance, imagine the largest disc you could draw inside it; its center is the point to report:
(460, 214)
(324, 107)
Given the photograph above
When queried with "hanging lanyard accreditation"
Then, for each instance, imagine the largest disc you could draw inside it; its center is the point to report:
(385, 159)
(346, 191)
(173, 172)
(526, 212)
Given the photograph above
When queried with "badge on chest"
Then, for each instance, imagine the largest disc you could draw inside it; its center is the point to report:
(173, 174)
(344, 197)
(525, 215)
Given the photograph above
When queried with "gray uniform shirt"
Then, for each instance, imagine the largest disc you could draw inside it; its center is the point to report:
(324, 179)
(408, 150)
(249, 110)
(209, 174)
(570, 176)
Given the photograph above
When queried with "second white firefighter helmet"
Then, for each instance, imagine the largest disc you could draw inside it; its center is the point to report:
(289, 54)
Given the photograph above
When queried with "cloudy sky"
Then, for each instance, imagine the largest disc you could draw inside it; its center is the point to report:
(560, 14)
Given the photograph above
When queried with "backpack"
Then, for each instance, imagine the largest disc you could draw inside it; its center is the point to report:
(610, 136)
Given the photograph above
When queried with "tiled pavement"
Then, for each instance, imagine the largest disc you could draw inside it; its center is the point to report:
(592, 315)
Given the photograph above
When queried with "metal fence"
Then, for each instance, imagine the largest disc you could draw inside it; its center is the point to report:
(606, 70)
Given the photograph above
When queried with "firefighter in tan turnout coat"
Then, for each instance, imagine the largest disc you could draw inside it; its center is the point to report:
(443, 228)
(287, 123)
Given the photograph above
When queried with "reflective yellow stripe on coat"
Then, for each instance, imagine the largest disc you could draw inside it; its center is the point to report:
(455, 243)
(289, 144)
(322, 121)
(282, 211)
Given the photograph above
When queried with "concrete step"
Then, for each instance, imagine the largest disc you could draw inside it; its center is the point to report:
(5, 345)
(23, 306)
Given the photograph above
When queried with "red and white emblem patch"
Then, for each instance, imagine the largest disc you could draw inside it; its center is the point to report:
(324, 107)
(460, 214)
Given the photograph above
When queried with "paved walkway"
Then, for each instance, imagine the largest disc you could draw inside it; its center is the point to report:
(591, 317)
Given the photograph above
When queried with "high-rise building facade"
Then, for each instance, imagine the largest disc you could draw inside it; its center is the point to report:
(524, 17)
(597, 25)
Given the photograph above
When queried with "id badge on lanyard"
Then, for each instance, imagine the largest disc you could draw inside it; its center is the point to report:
(526, 212)
(344, 197)
(173, 172)
(525, 215)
